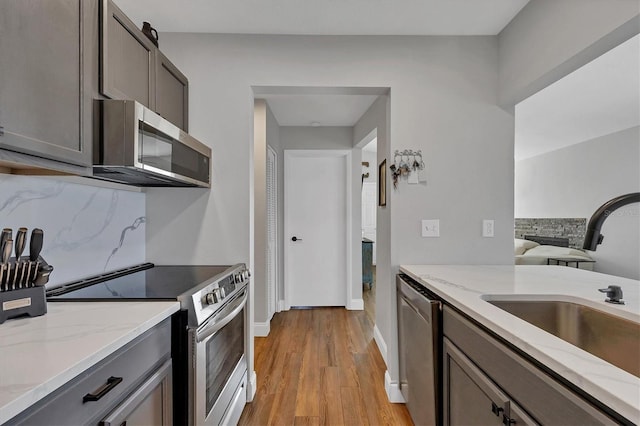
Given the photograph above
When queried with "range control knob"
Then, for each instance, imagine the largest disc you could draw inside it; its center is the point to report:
(211, 298)
(215, 296)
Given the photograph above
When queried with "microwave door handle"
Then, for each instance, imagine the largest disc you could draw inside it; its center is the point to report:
(214, 324)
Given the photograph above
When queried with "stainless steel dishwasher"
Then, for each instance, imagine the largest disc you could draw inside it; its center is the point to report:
(419, 349)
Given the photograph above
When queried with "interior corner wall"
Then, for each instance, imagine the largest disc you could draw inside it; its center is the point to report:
(576, 180)
(549, 39)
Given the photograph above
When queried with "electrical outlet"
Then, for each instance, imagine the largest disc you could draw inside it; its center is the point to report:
(431, 228)
(487, 228)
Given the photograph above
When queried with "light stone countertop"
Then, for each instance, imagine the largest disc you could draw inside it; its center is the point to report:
(40, 354)
(464, 286)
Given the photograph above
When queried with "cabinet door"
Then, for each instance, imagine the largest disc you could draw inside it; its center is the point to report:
(149, 404)
(128, 58)
(471, 398)
(172, 92)
(43, 108)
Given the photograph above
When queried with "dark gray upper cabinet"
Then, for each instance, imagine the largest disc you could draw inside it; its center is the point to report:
(128, 58)
(48, 80)
(133, 68)
(172, 92)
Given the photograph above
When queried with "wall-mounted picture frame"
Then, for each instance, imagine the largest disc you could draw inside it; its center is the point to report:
(382, 183)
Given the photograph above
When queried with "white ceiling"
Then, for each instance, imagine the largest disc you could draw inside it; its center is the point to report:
(326, 17)
(600, 98)
(325, 110)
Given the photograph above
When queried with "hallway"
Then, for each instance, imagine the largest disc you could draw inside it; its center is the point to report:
(321, 367)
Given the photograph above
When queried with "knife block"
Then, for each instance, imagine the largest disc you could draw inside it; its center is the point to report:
(29, 299)
(25, 301)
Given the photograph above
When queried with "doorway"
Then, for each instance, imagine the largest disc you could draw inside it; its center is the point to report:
(369, 211)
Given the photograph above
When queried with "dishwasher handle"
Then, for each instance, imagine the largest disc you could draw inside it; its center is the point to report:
(417, 297)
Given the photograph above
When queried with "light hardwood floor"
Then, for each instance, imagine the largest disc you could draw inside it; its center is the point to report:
(321, 367)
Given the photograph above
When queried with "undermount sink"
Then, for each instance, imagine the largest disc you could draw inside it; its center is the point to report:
(609, 337)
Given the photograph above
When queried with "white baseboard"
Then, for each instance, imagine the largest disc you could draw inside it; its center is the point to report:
(281, 306)
(382, 346)
(261, 329)
(252, 386)
(355, 305)
(392, 389)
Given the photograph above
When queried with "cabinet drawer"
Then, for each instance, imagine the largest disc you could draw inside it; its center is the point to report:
(133, 364)
(546, 399)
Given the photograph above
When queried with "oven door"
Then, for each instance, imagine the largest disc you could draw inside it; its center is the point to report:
(218, 380)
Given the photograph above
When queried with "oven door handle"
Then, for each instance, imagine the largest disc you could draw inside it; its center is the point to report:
(221, 319)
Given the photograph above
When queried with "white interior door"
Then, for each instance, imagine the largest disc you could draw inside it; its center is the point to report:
(369, 205)
(315, 228)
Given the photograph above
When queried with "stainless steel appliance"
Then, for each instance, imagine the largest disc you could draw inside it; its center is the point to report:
(419, 343)
(137, 146)
(208, 333)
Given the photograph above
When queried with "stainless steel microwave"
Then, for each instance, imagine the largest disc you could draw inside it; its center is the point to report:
(138, 147)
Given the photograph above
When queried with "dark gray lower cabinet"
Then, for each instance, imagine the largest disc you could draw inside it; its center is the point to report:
(150, 404)
(472, 398)
(48, 51)
(132, 385)
(486, 382)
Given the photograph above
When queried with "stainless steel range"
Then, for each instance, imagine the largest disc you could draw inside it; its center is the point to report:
(208, 333)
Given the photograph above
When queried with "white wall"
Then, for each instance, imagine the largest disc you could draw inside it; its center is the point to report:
(87, 229)
(549, 39)
(377, 118)
(575, 181)
(443, 100)
(372, 158)
(259, 280)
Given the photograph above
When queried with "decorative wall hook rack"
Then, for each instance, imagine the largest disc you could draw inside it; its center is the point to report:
(404, 163)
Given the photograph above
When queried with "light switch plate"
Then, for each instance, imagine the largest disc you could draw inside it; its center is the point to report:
(487, 228)
(431, 228)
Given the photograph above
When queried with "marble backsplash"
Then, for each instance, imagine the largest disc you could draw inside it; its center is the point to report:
(87, 229)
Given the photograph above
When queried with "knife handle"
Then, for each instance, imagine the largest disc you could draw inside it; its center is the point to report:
(35, 245)
(20, 241)
(6, 250)
(6, 235)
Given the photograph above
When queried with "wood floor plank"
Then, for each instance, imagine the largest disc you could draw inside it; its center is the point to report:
(283, 408)
(354, 407)
(306, 421)
(321, 367)
(331, 402)
(307, 402)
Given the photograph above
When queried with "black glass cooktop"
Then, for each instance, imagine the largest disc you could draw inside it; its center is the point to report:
(154, 283)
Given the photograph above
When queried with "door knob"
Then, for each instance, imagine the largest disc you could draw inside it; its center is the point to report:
(294, 239)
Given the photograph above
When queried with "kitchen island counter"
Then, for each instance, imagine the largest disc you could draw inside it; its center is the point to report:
(466, 287)
(43, 353)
